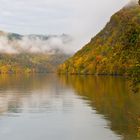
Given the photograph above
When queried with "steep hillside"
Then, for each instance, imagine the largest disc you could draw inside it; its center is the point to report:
(31, 53)
(115, 50)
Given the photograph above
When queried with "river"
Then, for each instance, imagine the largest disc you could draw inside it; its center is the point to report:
(51, 107)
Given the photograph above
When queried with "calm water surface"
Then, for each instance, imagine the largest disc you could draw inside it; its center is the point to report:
(48, 107)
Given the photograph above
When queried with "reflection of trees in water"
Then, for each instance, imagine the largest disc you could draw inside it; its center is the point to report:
(110, 97)
(23, 82)
(135, 84)
(17, 90)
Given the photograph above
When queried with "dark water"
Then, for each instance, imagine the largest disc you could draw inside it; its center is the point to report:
(47, 107)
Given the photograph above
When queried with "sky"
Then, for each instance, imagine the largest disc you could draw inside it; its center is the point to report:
(82, 19)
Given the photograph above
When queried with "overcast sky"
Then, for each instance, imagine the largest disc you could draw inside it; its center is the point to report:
(80, 18)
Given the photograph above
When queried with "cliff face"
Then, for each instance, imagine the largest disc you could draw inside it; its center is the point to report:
(115, 50)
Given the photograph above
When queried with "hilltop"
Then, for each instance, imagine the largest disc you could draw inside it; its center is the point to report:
(115, 50)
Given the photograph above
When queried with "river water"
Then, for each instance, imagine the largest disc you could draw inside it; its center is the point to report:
(50, 107)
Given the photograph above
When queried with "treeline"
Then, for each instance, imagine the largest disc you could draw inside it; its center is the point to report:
(114, 51)
(30, 63)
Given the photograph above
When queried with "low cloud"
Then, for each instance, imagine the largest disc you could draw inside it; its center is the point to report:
(132, 3)
(80, 18)
(12, 43)
(5, 46)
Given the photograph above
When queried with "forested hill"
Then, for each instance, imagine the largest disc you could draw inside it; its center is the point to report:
(32, 53)
(115, 50)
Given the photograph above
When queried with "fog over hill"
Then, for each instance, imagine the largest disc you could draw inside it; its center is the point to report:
(82, 19)
(15, 43)
(32, 53)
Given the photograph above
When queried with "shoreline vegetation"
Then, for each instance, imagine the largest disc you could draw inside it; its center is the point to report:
(30, 63)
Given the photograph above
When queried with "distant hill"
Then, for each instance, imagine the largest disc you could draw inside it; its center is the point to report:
(115, 50)
(32, 53)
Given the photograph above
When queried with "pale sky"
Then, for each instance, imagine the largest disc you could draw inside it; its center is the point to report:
(82, 19)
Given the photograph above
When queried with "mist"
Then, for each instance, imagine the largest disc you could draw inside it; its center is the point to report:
(78, 18)
(131, 3)
(35, 44)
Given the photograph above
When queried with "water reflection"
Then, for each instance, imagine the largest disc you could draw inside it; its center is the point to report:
(110, 96)
(67, 108)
